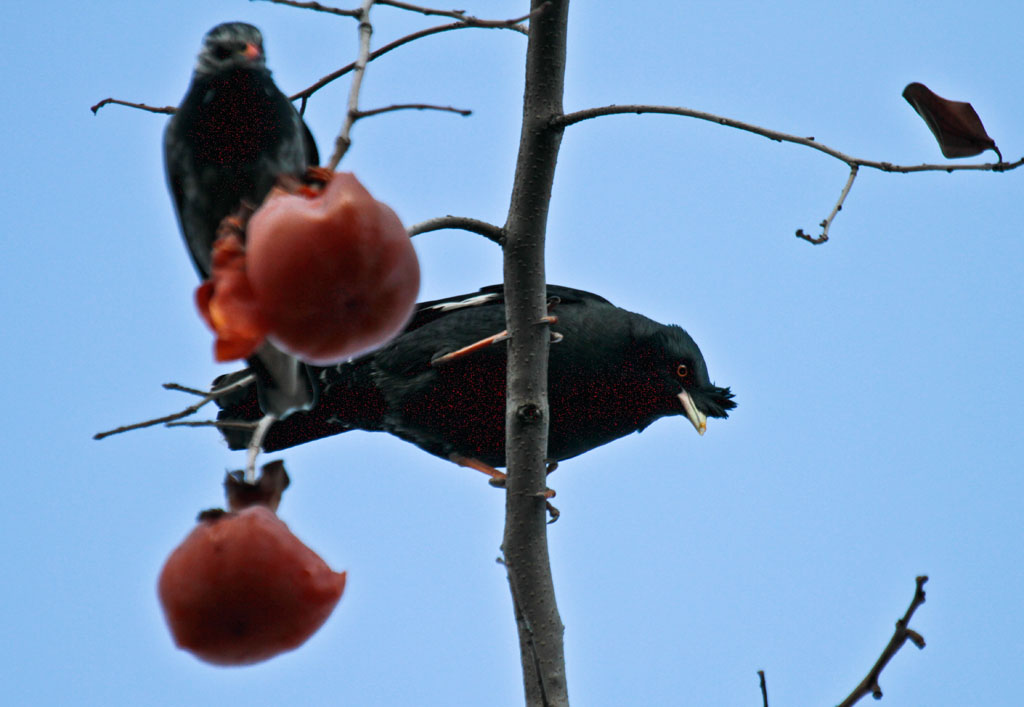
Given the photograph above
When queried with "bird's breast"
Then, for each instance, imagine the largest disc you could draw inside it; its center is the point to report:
(236, 123)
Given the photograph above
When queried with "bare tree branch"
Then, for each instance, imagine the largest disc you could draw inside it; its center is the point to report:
(412, 106)
(316, 7)
(190, 410)
(531, 645)
(526, 414)
(344, 140)
(487, 230)
(869, 685)
(579, 116)
(185, 389)
(457, 14)
(764, 688)
(827, 223)
(169, 110)
(852, 162)
(512, 24)
(429, 11)
(219, 424)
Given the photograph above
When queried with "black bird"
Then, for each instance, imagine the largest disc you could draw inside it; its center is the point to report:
(611, 373)
(232, 136)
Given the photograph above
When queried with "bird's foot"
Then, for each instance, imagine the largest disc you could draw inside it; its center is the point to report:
(488, 341)
(549, 320)
(498, 479)
(476, 346)
(552, 319)
(553, 512)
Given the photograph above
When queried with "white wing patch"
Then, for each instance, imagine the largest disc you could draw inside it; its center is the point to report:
(475, 301)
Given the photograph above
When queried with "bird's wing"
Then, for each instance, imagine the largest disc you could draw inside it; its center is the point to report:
(440, 327)
(491, 296)
(177, 165)
(413, 351)
(564, 294)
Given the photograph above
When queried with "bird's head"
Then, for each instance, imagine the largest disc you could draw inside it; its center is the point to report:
(682, 370)
(232, 45)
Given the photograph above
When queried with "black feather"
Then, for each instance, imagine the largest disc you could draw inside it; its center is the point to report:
(614, 372)
(232, 136)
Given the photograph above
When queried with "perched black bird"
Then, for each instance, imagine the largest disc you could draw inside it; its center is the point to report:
(612, 372)
(232, 136)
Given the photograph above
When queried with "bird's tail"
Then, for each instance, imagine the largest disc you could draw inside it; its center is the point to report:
(346, 399)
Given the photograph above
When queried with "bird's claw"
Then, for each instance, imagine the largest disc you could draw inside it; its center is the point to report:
(553, 512)
(550, 319)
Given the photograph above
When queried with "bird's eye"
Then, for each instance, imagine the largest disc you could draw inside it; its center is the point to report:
(222, 52)
(683, 371)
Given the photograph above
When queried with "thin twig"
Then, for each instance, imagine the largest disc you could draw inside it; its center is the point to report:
(869, 685)
(344, 139)
(412, 106)
(764, 688)
(316, 7)
(853, 162)
(468, 22)
(579, 116)
(818, 240)
(487, 230)
(185, 389)
(190, 410)
(169, 110)
(219, 424)
(512, 24)
(256, 442)
(457, 14)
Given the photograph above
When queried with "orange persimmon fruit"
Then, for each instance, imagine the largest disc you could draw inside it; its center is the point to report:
(241, 588)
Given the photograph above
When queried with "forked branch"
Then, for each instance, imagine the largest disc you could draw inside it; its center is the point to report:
(205, 397)
(513, 24)
(344, 140)
(827, 223)
(902, 634)
(854, 163)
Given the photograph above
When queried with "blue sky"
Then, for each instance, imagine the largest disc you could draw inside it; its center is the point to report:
(878, 377)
